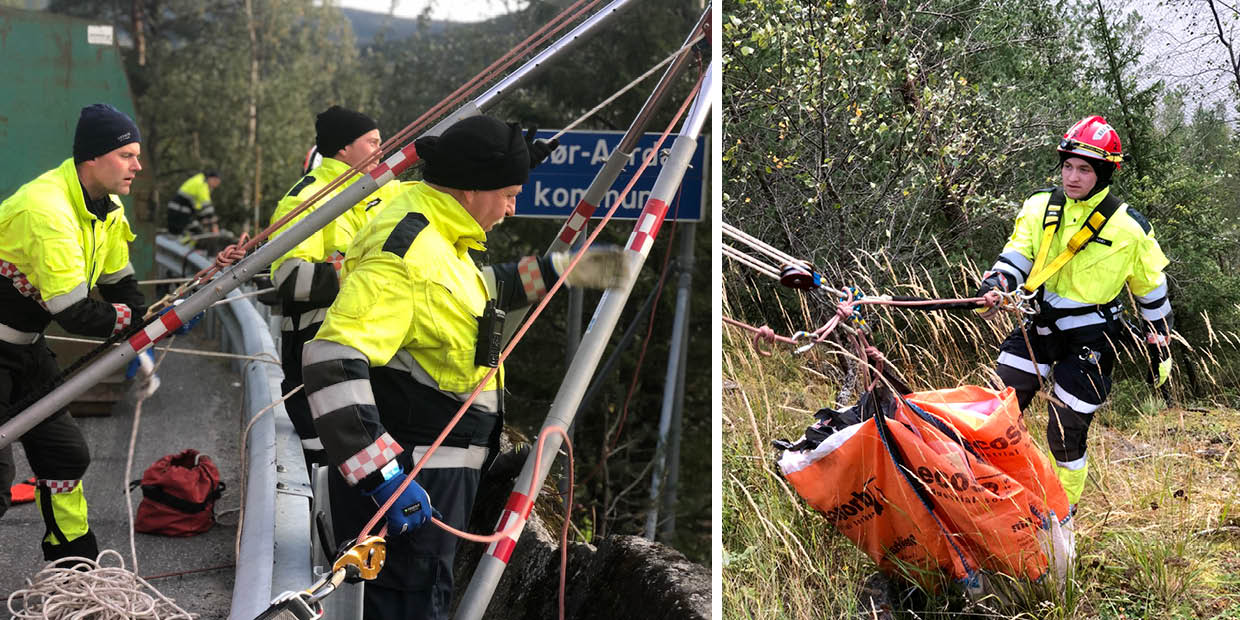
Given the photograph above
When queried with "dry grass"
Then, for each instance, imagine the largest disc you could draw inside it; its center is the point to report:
(1159, 523)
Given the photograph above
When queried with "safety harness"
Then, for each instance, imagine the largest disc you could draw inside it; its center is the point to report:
(1043, 271)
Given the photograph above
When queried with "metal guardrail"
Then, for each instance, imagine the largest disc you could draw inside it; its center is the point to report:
(275, 543)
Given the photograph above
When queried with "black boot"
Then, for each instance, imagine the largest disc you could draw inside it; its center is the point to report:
(83, 546)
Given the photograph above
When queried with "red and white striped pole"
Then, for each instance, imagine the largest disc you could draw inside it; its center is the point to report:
(617, 160)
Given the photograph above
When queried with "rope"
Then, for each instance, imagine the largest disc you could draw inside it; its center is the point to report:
(235, 251)
(232, 252)
(512, 528)
(228, 300)
(91, 590)
(592, 111)
(609, 447)
(751, 262)
(168, 347)
(245, 436)
(164, 281)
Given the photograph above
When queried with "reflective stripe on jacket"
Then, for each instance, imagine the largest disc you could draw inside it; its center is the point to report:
(1125, 252)
(53, 250)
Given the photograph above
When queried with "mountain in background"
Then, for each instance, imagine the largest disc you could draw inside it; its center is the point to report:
(368, 24)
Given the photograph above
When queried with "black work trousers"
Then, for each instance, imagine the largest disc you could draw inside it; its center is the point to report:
(417, 578)
(55, 448)
(1077, 363)
(298, 405)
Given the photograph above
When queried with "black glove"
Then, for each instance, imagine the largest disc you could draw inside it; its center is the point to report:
(992, 280)
(539, 149)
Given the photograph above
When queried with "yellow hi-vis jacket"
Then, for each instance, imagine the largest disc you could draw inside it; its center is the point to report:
(306, 277)
(197, 193)
(1124, 252)
(54, 248)
(410, 308)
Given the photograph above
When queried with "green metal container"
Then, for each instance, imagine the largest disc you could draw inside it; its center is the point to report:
(50, 67)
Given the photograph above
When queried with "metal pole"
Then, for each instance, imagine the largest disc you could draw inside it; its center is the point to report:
(627, 338)
(261, 258)
(572, 338)
(675, 357)
(673, 450)
(491, 567)
(572, 330)
(615, 164)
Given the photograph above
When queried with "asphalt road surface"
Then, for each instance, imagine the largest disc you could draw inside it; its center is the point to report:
(198, 405)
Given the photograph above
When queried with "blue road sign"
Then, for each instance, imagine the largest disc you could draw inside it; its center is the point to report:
(558, 184)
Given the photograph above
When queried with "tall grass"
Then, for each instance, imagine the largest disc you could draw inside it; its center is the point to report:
(1158, 528)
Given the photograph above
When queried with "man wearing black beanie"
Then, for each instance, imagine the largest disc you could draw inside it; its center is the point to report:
(308, 276)
(61, 235)
(413, 331)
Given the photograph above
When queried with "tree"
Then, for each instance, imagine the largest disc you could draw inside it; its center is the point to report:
(234, 87)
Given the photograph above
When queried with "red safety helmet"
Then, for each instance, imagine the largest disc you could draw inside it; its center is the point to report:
(1093, 138)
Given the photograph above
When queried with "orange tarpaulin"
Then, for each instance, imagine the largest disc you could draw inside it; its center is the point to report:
(946, 481)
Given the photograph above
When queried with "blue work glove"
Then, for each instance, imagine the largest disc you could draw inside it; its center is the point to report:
(144, 361)
(185, 325)
(410, 511)
(143, 368)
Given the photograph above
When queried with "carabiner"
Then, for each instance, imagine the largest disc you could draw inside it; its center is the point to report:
(365, 557)
(325, 586)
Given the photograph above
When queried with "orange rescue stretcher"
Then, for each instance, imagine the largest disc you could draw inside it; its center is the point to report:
(936, 484)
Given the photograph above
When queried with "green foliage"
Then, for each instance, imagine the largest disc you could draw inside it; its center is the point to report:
(201, 75)
(913, 132)
(857, 127)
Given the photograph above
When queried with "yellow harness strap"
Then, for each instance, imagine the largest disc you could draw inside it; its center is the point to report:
(1041, 272)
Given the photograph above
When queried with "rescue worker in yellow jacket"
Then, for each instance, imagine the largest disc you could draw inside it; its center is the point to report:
(191, 208)
(307, 277)
(412, 333)
(61, 235)
(1073, 336)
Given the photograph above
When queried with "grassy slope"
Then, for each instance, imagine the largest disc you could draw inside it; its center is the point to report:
(1158, 526)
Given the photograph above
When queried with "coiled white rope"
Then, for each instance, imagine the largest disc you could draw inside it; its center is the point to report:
(88, 589)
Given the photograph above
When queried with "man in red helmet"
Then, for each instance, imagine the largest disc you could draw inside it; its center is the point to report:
(1073, 249)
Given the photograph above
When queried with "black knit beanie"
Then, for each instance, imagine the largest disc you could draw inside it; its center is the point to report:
(476, 153)
(102, 129)
(1104, 170)
(338, 127)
